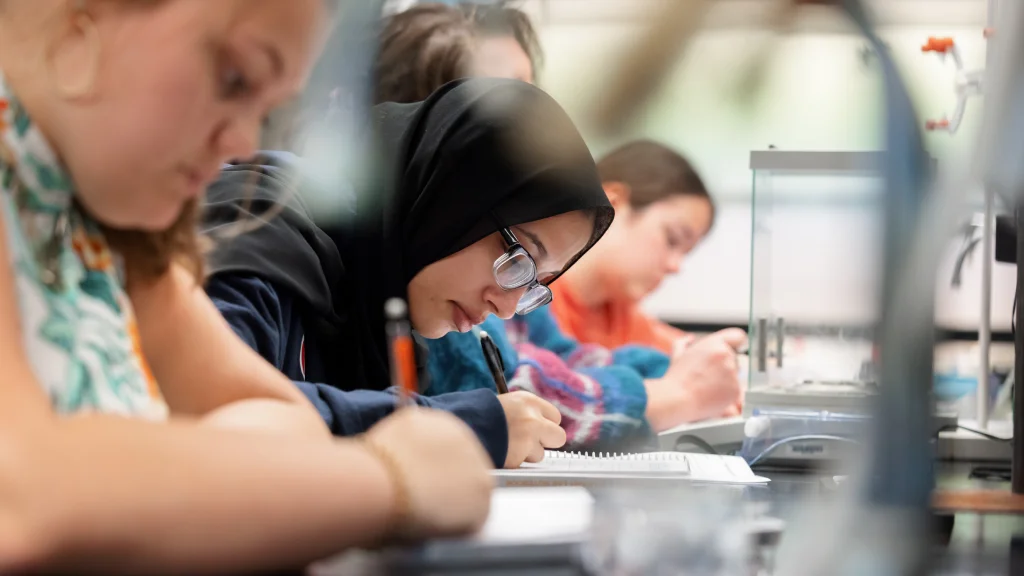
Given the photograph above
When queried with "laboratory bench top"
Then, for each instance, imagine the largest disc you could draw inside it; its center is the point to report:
(965, 543)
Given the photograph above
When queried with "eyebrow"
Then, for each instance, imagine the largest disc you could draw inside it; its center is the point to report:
(536, 242)
(275, 58)
(686, 231)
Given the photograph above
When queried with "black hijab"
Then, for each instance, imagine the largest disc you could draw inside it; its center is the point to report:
(477, 155)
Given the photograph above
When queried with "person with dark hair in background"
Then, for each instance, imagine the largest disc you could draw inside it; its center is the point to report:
(663, 211)
(432, 44)
(421, 49)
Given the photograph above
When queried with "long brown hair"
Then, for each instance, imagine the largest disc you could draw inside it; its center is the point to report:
(431, 44)
(653, 172)
(148, 255)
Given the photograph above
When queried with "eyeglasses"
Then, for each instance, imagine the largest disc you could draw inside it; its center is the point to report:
(515, 269)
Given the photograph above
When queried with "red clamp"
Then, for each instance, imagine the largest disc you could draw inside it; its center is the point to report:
(935, 44)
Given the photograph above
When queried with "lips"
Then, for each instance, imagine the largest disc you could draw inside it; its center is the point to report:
(198, 178)
(463, 320)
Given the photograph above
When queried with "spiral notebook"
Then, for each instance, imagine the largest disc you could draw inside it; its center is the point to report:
(674, 463)
(590, 468)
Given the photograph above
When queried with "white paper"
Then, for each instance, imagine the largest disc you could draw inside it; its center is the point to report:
(724, 469)
(521, 515)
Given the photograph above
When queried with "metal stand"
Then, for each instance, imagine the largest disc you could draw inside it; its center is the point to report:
(988, 254)
(1018, 345)
(985, 324)
(762, 345)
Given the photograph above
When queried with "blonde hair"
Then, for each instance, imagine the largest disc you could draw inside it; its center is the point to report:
(149, 255)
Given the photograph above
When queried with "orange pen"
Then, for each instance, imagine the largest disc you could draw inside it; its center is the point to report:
(401, 350)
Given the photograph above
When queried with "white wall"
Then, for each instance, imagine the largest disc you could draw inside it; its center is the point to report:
(818, 94)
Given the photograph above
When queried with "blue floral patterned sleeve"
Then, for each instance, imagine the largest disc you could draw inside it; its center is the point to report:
(599, 392)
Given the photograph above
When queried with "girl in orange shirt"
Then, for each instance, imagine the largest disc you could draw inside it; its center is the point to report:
(662, 211)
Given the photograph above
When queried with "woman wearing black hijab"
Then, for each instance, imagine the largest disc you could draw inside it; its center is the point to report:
(487, 177)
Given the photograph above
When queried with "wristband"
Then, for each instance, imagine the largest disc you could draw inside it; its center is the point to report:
(401, 512)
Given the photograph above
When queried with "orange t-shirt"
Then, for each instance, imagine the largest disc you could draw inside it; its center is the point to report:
(611, 325)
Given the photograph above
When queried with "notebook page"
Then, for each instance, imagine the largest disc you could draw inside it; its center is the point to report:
(675, 463)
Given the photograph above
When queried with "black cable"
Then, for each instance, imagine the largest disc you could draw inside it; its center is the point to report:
(986, 435)
(1013, 317)
(698, 442)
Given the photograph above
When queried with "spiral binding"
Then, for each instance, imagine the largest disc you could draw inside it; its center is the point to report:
(640, 456)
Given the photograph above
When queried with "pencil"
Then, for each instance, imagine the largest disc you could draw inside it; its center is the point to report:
(401, 350)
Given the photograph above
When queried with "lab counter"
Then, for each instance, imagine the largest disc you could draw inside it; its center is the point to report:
(965, 543)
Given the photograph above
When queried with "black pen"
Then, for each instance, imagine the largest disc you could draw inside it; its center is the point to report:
(494, 362)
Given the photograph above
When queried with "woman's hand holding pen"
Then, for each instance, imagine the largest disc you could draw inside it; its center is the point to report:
(701, 382)
(533, 426)
(533, 423)
(440, 473)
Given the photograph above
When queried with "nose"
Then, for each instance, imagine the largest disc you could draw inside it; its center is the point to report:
(674, 263)
(237, 138)
(504, 303)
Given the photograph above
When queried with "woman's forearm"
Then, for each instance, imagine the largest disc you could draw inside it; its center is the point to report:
(275, 416)
(122, 496)
(668, 404)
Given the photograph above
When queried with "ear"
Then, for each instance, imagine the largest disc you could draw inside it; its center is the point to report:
(618, 194)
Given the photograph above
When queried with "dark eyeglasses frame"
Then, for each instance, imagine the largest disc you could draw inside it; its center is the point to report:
(512, 244)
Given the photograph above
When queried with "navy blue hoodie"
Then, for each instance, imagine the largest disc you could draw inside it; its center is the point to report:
(282, 317)
(478, 155)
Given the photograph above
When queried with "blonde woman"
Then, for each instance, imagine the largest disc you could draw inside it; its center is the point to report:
(137, 433)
